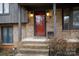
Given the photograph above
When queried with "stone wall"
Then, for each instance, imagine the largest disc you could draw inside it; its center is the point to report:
(30, 25)
(15, 33)
(64, 33)
(49, 23)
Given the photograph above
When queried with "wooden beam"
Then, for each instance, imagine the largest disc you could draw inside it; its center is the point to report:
(54, 12)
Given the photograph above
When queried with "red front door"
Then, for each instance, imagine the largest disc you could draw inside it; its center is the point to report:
(39, 23)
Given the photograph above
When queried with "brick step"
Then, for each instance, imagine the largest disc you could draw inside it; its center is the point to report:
(38, 39)
(41, 46)
(32, 54)
(35, 42)
(34, 48)
(35, 51)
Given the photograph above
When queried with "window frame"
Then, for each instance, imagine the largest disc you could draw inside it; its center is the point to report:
(8, 8)
(71, 10)
(3, 9)
(11, 43)
(73, 17)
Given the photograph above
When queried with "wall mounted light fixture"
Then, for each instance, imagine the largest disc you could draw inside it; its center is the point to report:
(48, 13)
(31, 14)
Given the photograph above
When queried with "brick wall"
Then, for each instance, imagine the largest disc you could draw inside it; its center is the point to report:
(64, 33)
(30, 25)
(15, 33)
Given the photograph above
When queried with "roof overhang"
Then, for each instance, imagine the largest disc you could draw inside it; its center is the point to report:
(31, 6)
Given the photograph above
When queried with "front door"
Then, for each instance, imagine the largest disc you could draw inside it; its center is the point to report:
(39, 23)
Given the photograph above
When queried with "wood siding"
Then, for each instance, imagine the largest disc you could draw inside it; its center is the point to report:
(12, 17)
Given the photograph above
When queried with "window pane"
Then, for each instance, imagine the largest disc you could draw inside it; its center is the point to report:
(4, 35)
(71, 18)
(76, 19)
(6, 8)
(1, 8)
(66, 18)
(10, 35)
(7, 34)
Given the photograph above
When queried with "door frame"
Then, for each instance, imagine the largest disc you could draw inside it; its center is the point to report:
(35, 22)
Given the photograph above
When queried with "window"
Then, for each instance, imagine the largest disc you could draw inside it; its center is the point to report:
(4, 8)
(66, 19)
(70, 18)
(7, 34)
(1, 8)
(76, 19)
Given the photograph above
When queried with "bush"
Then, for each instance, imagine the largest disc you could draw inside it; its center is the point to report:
(58, 46)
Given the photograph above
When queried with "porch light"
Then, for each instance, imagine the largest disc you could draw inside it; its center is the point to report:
(31, 14)
(48, 14)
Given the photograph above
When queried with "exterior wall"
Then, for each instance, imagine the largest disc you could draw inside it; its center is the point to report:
(30, 25)
(15, 33)
(59, 21)
(64, 33)
(12, 17)
(49, 23)
(64, 38)
(28, 29)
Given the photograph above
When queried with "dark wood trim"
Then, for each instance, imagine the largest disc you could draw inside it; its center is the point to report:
(35, 22)
(71, 19)
(45, 22)
(6, 47)
(6, 24)
(62, 19)
(70, 26)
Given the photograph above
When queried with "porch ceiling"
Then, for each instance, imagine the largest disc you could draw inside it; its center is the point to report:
(31, 6)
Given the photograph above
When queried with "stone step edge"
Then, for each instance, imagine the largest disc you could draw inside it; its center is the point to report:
(36, 50)
(35, 45)
(20, 54)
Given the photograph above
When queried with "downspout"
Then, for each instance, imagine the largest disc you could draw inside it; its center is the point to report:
(54, 17)
(19, 24)
(16, 49)
(19, 27)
